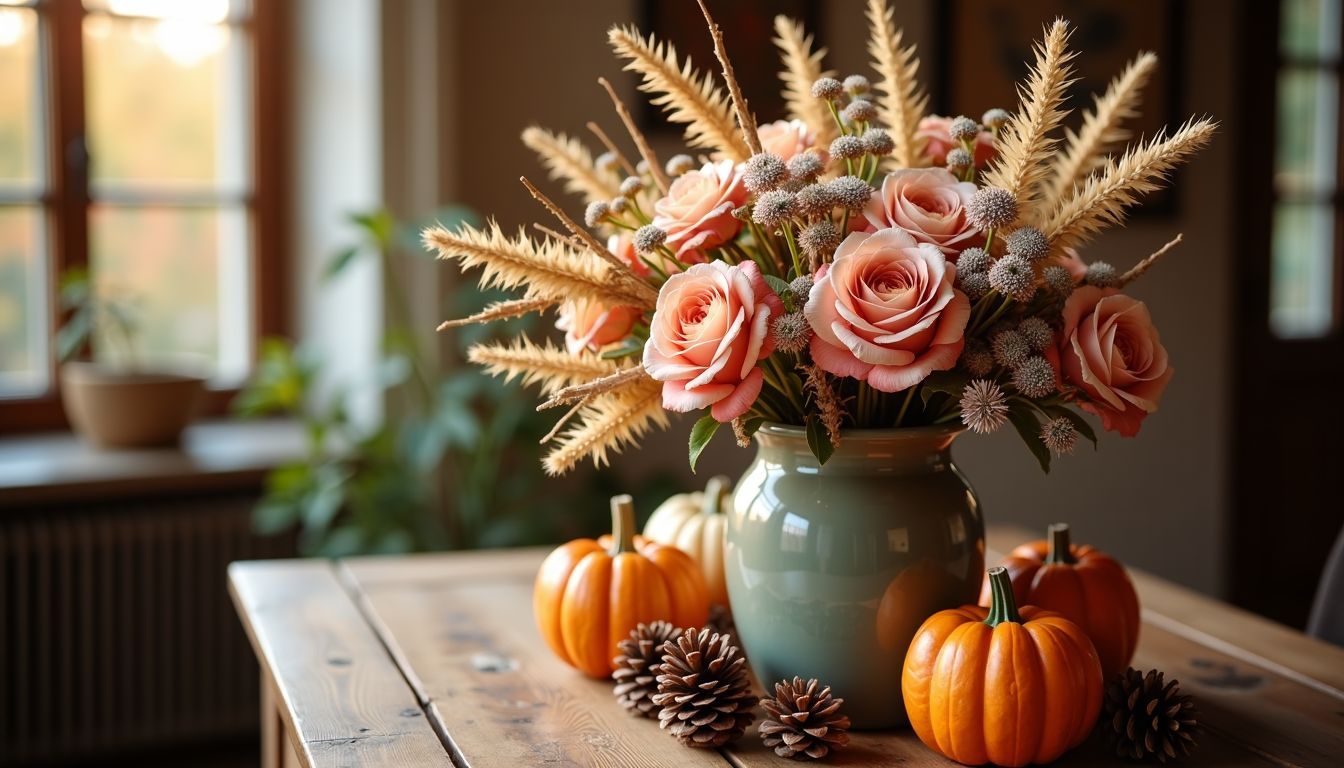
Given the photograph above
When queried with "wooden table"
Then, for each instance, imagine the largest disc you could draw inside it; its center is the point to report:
(435, 660)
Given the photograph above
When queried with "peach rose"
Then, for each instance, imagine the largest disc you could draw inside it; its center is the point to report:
(697, 212)
(622, 246)
(786, 138)
(709, 330)
(1110, 350)
(885, 311)
(938, 142)
(593, 325)
(930, 204)
(1071, 261)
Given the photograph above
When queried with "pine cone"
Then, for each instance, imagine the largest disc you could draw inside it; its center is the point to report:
(636, 667)
(802, 721)
(721, 620)
(703, 689)
(1141, 718)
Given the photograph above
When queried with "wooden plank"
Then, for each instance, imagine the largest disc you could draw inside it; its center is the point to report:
(343, 700)
(479, 564)
(471, 650)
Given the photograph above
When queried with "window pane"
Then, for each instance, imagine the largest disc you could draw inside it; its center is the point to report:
(23, 306)
(167, 103)
(20, 99)
(199, 10)
(185, 273)
(1310, 28)
(1307, 131)
(1301, 303)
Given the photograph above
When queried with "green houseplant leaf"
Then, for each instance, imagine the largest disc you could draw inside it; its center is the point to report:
(701, 434)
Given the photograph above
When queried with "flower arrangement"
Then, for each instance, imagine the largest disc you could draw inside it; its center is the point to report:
(859, 264)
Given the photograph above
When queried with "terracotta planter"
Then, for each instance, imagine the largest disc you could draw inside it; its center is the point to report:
(128, 409)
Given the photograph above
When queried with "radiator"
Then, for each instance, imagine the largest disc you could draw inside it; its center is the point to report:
(116, 631)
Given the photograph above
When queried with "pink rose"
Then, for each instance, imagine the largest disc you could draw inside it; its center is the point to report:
(697, 212)
(930, 204)
(786, 138)
(885, 311)
(593, 325)
(1110, 350)
(709, 330)
(938, 142)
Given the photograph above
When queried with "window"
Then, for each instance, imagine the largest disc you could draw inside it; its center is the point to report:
(138, 139)
(1306, 241)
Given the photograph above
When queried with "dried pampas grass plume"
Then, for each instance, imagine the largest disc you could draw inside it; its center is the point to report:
(685, 95)
(903, 102)
(1025, 143)
(609, 423)
(802, 68)
(544, 363)
(566, 158)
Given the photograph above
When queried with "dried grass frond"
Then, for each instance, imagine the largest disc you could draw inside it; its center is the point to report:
(501, 310)
(548, 269)
(1101, 200)
(552, 367)
(567, 158)
(1025, 144)
(1136, 271)
(602, 386)
(903, 102)
(1102, 129)
(823, 394)
(684, 94)
(802, 68)
(609, 423)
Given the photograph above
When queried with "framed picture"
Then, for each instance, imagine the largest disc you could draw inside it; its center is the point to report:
(985, 52)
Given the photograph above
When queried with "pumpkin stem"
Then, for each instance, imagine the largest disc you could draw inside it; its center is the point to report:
(1059, 552)
(1002, 605)
(714, 490)
(622, 524)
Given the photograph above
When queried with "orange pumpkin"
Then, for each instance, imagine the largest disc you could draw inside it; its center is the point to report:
(590, 594)
(1087, 586)
(1001, 685)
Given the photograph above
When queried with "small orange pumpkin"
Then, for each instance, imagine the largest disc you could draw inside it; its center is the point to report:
(1001, 685)
(590, 594)
(1085, 585)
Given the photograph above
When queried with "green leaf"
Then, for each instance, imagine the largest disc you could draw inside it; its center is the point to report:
(779, 285)
(1029, 429)
(943, 382)
(1079, 423)
(273, 515)
(818, 440)
(626, 348)
(753, 425)
(701, 434)
(72, 336)
(340, 261)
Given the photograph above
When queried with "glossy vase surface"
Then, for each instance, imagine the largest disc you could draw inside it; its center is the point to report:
(832, 568)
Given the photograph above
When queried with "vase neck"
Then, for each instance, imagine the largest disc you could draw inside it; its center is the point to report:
(908, 450)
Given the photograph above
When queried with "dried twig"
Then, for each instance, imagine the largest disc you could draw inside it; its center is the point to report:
(612, 148)
(645, 151)
(501, 310)
(745, 120)
(595, 387)
(560, 424)
(1136, 271)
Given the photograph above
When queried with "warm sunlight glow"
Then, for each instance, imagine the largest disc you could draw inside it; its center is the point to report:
(13, 25)
(197, 10)
(188, 43)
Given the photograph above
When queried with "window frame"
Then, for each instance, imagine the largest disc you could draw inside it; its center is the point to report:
(66, 199)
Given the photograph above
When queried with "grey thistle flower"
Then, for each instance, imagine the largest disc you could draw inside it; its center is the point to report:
(978, 360)
(596, 212)
(974, 260)
(679, 164)
(1028, 242)
(774, 208)
(619, 205)
(850, 192)
(1035, 377)
(1059, 436)
(815, 200)
(857, 84)
(1037, 332)
(1058, 279)
(974, 284)
(791, 332)
(631, 186)
(959, 160)
(984, 407)
(878, 142)
(859, 111)
(1012, 277)
(607, 162)
(805, 167)
(764, 172)
(991, 207)
(801, 287)
(848, 148)
(1101, 274)
(995, 119)
(963, 128)
(819, 240)
(648, 238)
(1010, 349)
(827, 88)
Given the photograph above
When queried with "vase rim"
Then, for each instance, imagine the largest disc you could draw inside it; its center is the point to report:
(922, 432)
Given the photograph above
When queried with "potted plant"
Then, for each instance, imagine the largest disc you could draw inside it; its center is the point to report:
(117, 405)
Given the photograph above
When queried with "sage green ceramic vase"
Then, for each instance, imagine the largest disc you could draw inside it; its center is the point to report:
(831, 569)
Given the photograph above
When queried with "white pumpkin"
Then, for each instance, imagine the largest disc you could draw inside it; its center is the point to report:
(695, 523)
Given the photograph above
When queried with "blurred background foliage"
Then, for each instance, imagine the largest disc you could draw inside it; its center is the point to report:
(454, 463)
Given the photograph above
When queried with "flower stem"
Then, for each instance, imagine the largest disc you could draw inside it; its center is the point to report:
(1002, 605)
(909, 395)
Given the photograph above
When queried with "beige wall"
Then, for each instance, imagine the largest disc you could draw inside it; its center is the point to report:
(1158, 501)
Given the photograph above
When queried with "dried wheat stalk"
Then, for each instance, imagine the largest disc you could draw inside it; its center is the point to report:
(609, 423)
(544, 363)
(500, 310)
(903, 102)
(566, 158)
(802, 68)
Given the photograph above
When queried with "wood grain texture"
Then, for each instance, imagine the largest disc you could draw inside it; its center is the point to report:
(344, 702)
